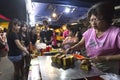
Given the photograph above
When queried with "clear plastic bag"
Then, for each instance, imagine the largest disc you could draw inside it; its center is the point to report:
(110, 76)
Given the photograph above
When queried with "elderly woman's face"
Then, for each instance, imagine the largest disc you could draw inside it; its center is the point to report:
(97, 22)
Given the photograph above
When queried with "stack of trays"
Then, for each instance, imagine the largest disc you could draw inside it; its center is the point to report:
(86, 65)
(63, 61)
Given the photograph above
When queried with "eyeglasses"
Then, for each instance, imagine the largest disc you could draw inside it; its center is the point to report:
(96, 20)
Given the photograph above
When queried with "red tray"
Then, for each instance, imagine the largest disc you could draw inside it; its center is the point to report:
(78, 56)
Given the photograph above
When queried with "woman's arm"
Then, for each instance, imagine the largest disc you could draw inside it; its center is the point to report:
(77, 46)
(75, 40)
(113, 57)
(65, 41)
(106, 58)
(21, 47)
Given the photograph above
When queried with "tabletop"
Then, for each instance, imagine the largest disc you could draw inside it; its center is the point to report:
(50, 72)
(36, 72)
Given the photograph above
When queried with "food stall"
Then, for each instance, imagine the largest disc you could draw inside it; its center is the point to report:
(55, 65)
(4, 21)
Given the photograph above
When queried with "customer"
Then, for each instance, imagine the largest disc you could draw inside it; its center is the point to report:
(24, 38)
(15, 47)
(66, 32)
(46, 34)
(102, 41)
(33, 36)
(24, 34)
(70, 40)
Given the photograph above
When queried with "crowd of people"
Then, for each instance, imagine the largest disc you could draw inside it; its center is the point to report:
(101, 40)
(20, 36)
(15, 43)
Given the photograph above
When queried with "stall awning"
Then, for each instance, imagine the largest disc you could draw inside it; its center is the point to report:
(3, 18)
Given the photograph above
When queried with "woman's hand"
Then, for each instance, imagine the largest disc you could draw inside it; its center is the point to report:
(26, 51)
(85, 61)
(99, 59)
(68, 50)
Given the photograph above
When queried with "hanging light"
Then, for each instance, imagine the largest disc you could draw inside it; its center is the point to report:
(49, 19)
(67, 10)
(54, 15)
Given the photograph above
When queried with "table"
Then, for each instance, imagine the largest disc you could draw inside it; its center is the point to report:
(34, 71)
(38, 71)
(49, 72)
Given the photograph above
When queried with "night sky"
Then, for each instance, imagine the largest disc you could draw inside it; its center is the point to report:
(13, 9)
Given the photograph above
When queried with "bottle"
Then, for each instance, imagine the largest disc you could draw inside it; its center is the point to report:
(50, 47)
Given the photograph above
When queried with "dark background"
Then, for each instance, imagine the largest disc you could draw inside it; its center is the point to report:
(13, 9)
(17, 9)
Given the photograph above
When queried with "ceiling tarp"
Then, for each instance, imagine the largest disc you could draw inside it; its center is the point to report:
(44, 9)
(66, 2)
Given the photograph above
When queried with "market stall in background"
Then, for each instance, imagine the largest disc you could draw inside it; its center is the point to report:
(4, 21)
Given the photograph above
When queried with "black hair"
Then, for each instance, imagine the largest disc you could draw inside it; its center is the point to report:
(23, 23)
(104, 9)
(68, 26)
(11, 23)
(73, 30)
(5, 30)
(45, 22)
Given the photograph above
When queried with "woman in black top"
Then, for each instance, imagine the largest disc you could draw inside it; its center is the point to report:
(15, 47)
(25, 41)
(24, 34)
(33, 36)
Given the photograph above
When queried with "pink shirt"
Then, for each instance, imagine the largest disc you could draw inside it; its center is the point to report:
(107, 44)
(65, 33)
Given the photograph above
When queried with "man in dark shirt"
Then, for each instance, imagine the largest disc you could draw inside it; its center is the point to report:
(46, 34)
